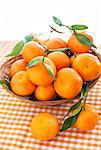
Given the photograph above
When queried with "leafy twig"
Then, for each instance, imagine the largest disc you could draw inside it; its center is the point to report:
(75, 110)
(82, 38)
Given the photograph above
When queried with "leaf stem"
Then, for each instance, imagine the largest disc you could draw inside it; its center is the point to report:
(69, 28)
(50, 34)
(43, 45)
(53, 29)
(45, 54)
(85, 96)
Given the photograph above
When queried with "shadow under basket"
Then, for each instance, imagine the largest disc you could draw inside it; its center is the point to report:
(4, 75)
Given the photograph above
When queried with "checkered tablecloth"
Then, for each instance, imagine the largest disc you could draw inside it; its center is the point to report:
(16, 115)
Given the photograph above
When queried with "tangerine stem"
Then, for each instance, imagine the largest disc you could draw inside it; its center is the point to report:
(45, 54)
(69, 28)
(50, 34)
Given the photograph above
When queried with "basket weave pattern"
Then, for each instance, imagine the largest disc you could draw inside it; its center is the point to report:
(4, 75)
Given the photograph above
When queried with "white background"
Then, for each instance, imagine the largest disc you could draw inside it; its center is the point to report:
(21, 17)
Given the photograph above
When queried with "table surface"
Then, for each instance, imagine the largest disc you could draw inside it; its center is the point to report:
(16, 115)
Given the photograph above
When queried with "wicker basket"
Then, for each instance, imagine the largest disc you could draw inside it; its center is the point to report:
(4, 75)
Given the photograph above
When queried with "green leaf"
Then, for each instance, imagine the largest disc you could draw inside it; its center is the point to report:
(84, 40)
(78, 27)
(43, 59)
(6, 83)
(50, 70)
(33, 62)
(69, 122)
(18, 47)
(76, 111)
(29, 38)
(74, 107)
(57, 21)
(83, 91)
(60, 49)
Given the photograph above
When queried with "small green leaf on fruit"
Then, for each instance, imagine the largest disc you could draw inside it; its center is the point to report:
(84, 40)
(50, 70)
(33, 62)
(78, 27)
(57, 21)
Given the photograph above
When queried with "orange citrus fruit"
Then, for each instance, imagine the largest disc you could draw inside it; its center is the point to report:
(88, 66)
(44, 126)
(76, 46)
(60, 59)
(31, 50)
(56, 43)
(87, 118)
(45, 92)
(21, 85)
(36, 38)
(39, 74)
(68, 83)
(17, 66)
(45, 41)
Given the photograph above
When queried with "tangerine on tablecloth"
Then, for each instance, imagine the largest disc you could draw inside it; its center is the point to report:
(16, 115)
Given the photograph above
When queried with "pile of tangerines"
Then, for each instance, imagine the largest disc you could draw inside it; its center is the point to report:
(46, 70)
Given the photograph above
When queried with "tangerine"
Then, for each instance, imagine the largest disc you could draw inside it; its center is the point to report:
(60, 59)
(44, 126)
(17, 66)
(45, 92)
(88, 66)
(39, 74)
(68, 83)
(56, 43)
(21, 85)
(76, 46)
(87, 118)
(31, 50)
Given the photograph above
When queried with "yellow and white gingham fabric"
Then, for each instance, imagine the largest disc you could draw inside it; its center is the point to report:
(16, 115)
